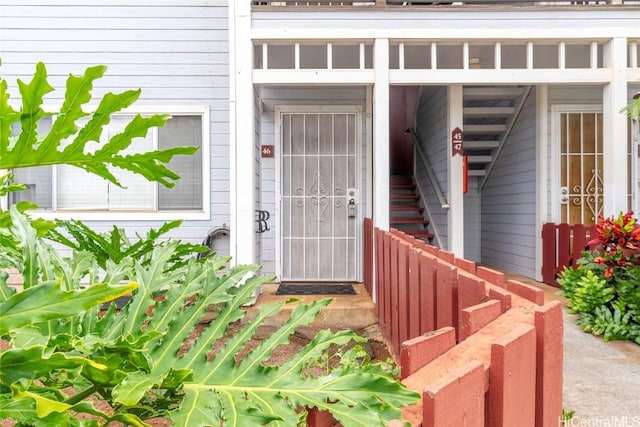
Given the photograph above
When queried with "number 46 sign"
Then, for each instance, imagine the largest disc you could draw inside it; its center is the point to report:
(456, 141)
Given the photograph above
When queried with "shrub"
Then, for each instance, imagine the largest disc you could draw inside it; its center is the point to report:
(604, 289)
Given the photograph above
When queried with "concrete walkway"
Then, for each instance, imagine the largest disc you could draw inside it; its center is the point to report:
(601, 379)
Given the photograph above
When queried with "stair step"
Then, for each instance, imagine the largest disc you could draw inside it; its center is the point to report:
(488, 111)
(479, 129)
(420, 234)
(477, 172)
(481, 145)
(406, 208)
(401, 180)
(403, 186)
(479, 159)
(404, 196)
(408, 220)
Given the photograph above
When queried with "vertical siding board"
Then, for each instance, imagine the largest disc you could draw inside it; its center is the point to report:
(415, 314)
(368, 254)
(428, 269)
(549, 253)
(394, 326)
(404, 295)
(549, 336)
(380, 275)
(446, 294)
(512, 379)
(579, 242)
(564, 244)
(471, 291)
(388, 273)
(457, 399)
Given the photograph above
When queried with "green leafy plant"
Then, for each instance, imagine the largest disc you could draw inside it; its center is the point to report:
(144, 360)
(611, 323)
(590, 293)
(605, 286)
(32, 149)
(115, 246)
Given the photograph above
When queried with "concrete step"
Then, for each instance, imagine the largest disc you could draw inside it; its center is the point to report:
(345, 311)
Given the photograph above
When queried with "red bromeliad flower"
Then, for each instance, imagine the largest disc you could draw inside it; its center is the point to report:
(617, 240)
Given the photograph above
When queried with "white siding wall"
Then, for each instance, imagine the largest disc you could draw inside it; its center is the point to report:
(472, 222)
(297, 96)
(431, 125)
(176, 51)
(509, 231)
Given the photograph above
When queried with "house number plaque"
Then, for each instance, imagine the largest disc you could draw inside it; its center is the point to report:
(456, 141)
(267, 151)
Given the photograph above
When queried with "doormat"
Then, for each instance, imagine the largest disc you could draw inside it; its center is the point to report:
(315, 290)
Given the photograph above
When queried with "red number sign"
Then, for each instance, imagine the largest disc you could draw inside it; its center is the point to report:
(456, 141)
(267, 151)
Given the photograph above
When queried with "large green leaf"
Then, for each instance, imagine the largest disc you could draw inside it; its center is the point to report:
(249, 393)
(34, 362)
(29, 150)
(244, 391)
(47, 301)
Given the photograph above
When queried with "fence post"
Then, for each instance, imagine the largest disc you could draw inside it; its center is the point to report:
(564, 246)
(428, 306)
(415, 314)
(368, 256)
(549, 253)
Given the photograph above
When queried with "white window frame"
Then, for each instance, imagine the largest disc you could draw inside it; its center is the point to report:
(204, 152)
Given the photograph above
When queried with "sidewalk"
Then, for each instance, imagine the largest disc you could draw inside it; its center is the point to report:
(601, 379)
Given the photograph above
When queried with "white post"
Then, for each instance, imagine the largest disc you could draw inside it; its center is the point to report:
(455, 189)
(381, 134)
(241, 134)
(542, 170)
(614, 122)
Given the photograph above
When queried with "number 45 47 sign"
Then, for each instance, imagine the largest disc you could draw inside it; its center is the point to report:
(456, 141)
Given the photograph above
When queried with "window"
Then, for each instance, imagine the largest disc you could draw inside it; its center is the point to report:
(64, 189)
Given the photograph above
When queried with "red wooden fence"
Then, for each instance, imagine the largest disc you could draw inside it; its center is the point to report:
(368, 255)
(562, 246)
(480, 349)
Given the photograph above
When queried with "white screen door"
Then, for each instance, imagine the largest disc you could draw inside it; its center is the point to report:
(319, 176)
(581, 178)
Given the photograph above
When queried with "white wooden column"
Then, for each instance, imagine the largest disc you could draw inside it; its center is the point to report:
(455, 191)
(615, 172)
(542, 170)
(381, 134)
(241, 136)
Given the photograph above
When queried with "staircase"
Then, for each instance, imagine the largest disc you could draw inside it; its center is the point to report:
(488, 113)
(405, 212)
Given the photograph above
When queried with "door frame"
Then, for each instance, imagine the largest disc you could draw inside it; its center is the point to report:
(279, 110)
(556, 111)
